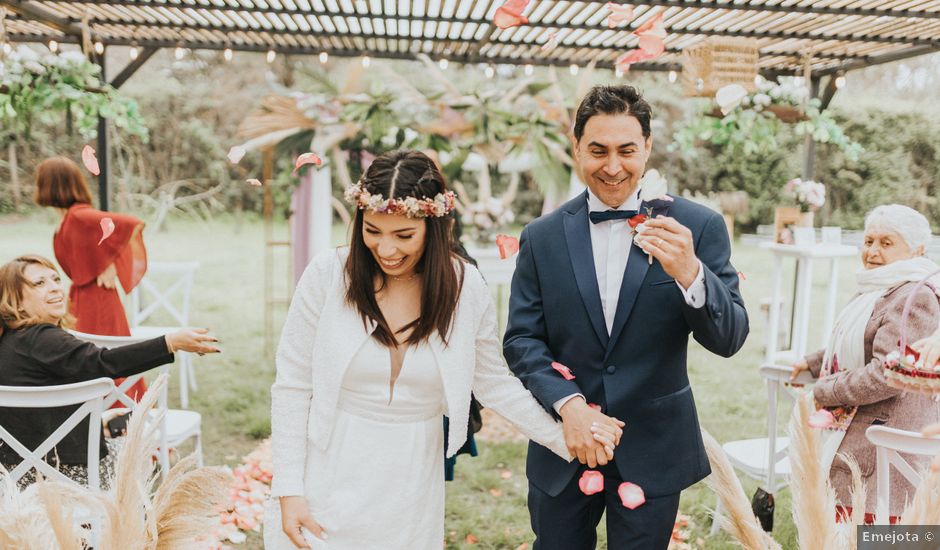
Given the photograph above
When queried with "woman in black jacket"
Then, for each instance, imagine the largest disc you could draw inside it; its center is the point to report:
(36, 350)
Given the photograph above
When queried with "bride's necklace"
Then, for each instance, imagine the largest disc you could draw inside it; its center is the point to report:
(408, 278)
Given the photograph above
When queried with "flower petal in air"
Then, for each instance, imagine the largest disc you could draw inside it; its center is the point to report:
(90, 160)
(633, 56)
(253, 182)
(563, 370)
(619, 14)
(307, 158)
(235, 154)
(652, 45)
(510, 14)
(551, 43)
(594, 406)
(508, 246)
(107, 228)
(591, 482)
(653, 27)
(820, 419)
(631, 495)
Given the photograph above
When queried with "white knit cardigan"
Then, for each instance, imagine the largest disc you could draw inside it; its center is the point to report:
(322, 335)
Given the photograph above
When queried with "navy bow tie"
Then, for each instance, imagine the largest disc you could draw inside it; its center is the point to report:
(607, 215)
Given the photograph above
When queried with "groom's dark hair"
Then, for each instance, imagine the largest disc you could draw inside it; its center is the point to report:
(613, 100)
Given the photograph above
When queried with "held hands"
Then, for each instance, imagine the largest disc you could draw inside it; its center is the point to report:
(670, 242)
(107, 278)
(296, 515)
(590, 434)
(196, 340)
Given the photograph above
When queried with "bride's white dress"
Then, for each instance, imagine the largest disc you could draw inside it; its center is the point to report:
(379, 485)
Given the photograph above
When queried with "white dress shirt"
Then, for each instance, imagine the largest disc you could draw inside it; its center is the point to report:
(611, 242)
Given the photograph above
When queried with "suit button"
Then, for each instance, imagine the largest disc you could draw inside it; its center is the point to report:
(611, 369)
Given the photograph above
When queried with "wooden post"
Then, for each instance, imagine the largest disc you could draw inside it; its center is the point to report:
(14, 175)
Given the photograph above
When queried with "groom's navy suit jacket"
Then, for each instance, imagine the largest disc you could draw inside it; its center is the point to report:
(637, 373)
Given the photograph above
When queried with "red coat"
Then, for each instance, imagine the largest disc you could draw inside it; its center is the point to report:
(98, 310)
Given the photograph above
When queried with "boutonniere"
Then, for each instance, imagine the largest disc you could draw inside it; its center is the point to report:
(653, 201)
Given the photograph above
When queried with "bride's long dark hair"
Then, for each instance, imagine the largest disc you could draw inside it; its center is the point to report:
(406, 174)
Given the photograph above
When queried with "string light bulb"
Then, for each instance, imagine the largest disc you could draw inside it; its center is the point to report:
(443, 63)
(840, 81)
(133, 53)
(489, 72)
(528, 69)
(227, 54)
(99, 48)
(7, 48)
(179, 53)
(271, 55)
(366, 61)
(673, 76)
(324, 57)
(573, 69)
(53, 46)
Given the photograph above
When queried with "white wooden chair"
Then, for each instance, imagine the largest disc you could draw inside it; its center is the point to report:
(166, 288)
(89, 395)
(178, 425)
(888, 443)
(765, 458)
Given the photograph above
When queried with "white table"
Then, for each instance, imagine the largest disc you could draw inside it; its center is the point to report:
(498, 275)
(805, 256)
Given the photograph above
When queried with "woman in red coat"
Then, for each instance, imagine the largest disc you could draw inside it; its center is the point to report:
(95, 262)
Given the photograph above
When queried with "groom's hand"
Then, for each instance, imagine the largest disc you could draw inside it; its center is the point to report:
(589, 434)
(671, 243)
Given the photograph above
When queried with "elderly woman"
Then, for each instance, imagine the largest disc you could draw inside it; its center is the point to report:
(851, 382)
(36, 350)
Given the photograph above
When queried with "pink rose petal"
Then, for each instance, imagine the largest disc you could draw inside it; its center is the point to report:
(235, 154)
(741, 276)
(820, 419)
(507, 245)
(307, 158)
(591, 482)
(631, 495)
(253, 182)
(653, 45)
(633, 56)
(653, 26)
(90, 160)
(619, 14)
(551, 43)
(510, 14)
(107, 228)
(565, 371)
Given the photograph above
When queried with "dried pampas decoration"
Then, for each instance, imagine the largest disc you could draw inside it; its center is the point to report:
(183, 508)
(738, 520)
(814, 500)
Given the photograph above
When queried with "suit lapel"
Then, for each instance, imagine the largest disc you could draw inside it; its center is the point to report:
(633, 278)
(578, 237)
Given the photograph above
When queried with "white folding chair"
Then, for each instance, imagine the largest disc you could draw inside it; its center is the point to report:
(89, 395)
(765, 458)
(167, 287)
(888, 443)
(177, 426)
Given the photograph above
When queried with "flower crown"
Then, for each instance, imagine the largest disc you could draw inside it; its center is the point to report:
(413, 207)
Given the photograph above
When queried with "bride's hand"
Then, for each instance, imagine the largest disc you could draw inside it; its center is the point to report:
(294, 515)
(107, 278)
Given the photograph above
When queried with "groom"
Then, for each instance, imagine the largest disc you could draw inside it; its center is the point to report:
(586, 296)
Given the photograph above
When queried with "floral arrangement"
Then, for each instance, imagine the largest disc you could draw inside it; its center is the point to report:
(40, 86)
(483, 219)
(751, 121)
(809, 194)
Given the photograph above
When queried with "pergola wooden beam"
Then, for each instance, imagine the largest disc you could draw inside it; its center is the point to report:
(880, 59)
(131, 68)
(693, 4)
(30, 10)
(775, 35)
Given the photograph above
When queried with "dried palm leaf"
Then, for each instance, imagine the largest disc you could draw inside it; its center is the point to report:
(925, 508)
(859, 492)
(738, 520)
(276, 114)
(814, 500)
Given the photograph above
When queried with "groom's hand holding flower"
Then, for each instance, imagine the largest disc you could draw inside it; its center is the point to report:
(590, 434)
(670, 242)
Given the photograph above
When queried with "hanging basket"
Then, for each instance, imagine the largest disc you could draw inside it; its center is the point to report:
(903, 369)
(717, 62)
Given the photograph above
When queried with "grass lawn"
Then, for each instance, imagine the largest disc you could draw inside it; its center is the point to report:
(487, 500)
